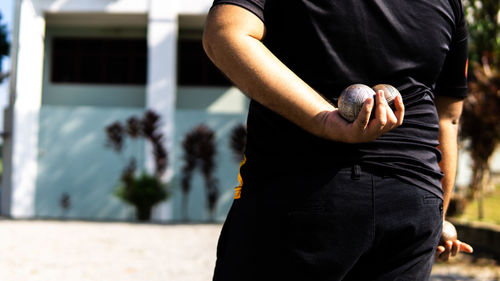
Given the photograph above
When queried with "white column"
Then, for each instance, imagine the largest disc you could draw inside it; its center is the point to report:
(27, 103)
(161, 88)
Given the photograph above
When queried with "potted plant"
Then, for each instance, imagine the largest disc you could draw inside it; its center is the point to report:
(141, 190)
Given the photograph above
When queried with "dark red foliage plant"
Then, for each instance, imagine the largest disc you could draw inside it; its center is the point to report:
(199, 151)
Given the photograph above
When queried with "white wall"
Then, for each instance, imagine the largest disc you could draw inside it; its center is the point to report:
(162, 42)
(26, 109)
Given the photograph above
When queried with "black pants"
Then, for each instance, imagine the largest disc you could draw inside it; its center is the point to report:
(359, 225)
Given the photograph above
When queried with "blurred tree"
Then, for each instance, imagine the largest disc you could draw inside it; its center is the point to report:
(480, 123)
(482, 18)
(199, 150)
(4, 47)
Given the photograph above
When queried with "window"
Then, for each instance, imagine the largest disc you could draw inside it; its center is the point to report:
(195, 68)
(99, 60)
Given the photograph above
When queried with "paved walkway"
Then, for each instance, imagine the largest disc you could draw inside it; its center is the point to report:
(77, 251)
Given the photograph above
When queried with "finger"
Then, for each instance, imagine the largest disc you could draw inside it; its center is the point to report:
(464, 247)
(447, 251)
(443, 257)
(400, 109)
(381, 111)
(364, 115)
(440, 249)
(392, 120)
(455, 248)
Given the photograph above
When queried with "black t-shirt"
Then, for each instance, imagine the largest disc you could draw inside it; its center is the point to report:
(418, 46)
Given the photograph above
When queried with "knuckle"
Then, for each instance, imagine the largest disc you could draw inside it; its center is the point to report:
(396, 123)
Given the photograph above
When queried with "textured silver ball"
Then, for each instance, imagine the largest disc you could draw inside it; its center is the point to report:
(390, 93)
(351, 100)
(449, 232)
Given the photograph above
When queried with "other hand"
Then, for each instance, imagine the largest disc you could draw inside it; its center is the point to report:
(451, 248)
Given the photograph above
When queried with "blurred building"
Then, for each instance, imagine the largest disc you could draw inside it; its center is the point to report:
(80, 65)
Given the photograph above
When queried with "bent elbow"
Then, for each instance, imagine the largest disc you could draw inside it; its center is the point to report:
(450, 124)
(207, 42)
(214, 41)
(455, 121)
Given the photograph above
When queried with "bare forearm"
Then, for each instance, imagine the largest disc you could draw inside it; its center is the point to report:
(449, 150)
(232, 40)
(260, 75)
(449, 110)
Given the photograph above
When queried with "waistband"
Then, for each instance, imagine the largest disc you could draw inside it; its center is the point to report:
(357, 169)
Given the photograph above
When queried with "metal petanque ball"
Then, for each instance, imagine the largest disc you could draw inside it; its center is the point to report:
(449, 232)
(351, 100)
(390, 93)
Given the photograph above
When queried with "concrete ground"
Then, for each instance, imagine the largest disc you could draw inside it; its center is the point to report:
(77, 251)
(467, 268)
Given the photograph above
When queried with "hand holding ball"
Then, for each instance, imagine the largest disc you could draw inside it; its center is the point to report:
(352, 98)
(449, 245)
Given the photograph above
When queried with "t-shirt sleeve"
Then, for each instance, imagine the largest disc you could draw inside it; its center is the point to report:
(254, 6)
(452, 81)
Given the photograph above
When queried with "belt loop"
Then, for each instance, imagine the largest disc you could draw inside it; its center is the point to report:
(356, 172)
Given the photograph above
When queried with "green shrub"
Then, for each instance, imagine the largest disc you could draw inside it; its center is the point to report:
(143, 192)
